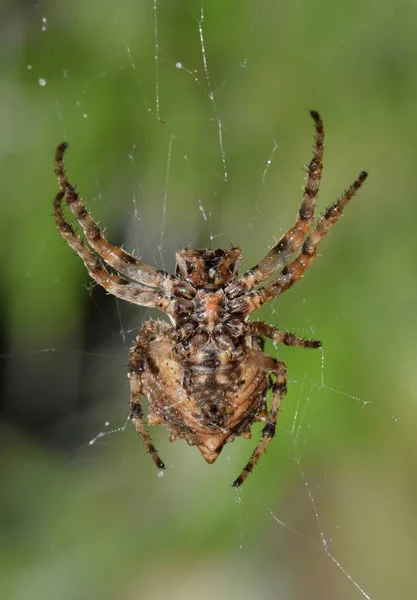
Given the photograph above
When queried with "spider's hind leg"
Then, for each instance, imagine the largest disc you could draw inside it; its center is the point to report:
(136, 359)
(137, 417)
(279, 389)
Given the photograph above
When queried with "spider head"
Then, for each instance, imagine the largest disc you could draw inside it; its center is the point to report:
(209, 269)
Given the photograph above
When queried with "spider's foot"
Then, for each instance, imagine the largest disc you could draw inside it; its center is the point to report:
(238, 482)
(160, 464)
(313, 344)
(59, 154)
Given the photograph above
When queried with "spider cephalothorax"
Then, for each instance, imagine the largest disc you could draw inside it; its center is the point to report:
(205, 374)
(209, 269)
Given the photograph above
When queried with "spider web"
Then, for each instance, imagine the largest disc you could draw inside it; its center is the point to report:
(187, 125)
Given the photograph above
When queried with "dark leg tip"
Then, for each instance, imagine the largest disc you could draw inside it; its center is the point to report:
(236, 483)
(160, 464)
(315, 115)
(362, 176)
(59, 153)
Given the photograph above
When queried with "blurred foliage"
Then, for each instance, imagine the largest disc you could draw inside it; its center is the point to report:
(125, 84)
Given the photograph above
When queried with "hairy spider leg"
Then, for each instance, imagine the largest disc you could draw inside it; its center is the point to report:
(296, 269)
(292, 239)
(279, 389)
(114, 284)
(282, 337)
(118, 259)
(136, 367)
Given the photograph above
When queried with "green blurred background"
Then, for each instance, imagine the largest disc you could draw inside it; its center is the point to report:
(330, 511)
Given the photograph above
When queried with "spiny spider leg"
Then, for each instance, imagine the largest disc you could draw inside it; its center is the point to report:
(296, 269)
(292, 240)
(279, 389)
(136, 368)
(282, 337)
(114, 284)
(121, 261)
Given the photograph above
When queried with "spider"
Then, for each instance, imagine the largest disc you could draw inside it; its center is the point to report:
(205, 374)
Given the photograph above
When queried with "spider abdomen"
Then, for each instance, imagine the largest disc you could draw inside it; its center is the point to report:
(208, 398)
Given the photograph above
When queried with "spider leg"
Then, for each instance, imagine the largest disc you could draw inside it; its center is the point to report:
(292, 240)
(114, 284)
(136, 366)
(282, 337)
(296, 269)
(279, 389)
(121, 261)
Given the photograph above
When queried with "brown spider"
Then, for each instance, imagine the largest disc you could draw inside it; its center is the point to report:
(205, 374)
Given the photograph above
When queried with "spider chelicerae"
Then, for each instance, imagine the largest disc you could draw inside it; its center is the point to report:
(204, 374)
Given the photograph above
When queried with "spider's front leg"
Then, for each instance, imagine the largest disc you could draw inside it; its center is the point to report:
(123, 262)
(278, 256)
(295, 270)
(282, 337)
(136, 366)
(279, 389)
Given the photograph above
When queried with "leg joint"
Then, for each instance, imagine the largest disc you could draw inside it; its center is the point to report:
(136, 412)
(280, 387)
(269, 430)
